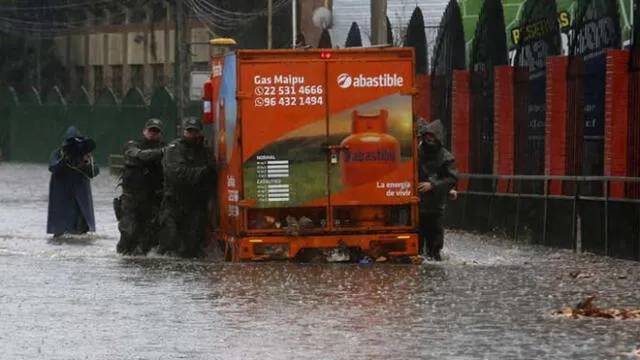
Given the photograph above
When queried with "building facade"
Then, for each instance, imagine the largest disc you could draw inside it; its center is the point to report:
(121, 47)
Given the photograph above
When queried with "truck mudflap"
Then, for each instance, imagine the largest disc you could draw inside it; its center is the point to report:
(398, 247)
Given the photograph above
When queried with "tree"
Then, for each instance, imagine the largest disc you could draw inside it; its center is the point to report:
(353, 38)
(27, 46)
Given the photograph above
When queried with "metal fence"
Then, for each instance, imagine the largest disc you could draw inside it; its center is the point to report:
(32, 125)
(449, 54)
(598, 224)
(481, 124)
(633, 140)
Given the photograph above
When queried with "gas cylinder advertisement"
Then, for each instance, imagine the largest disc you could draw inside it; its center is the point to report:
(316, 132)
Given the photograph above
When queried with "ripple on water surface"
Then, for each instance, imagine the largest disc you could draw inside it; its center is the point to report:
(490, 299)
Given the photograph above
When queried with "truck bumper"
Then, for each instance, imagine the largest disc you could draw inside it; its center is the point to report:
(260, 248)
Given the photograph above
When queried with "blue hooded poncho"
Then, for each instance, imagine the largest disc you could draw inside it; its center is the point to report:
(70, 198)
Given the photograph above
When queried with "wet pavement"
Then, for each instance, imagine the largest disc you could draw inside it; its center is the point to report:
(489, 299)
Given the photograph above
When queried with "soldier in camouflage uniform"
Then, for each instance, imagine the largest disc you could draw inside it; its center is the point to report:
(142, 180)
(190, 178)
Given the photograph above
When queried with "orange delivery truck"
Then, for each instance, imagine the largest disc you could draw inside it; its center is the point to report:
(317, 154)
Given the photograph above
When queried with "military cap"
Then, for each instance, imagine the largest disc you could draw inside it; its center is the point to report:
(191, 123)
(153, 123)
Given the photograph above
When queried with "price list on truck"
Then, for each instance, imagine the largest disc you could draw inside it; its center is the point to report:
(272, 175)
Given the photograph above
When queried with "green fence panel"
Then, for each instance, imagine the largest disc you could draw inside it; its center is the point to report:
(79, 111)
(134, 112)
(194, 108)
(53, 121)
(32, 128)
(8, 103)
(17, 122)
(163, 107)
(104, 119)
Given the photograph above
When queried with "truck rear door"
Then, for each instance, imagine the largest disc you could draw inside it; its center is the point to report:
(328, 138)
(370, 130)
(284, 137)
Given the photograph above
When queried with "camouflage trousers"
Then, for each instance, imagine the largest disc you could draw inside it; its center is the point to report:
(183, 227)
(137, 224)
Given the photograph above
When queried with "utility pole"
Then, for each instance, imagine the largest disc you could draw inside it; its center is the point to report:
(269, 24)
(179, 59)
(378, 22)
(632, 21)
(38, 50)
(294, 22)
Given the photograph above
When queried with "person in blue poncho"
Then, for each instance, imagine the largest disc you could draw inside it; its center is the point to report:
(70, 198)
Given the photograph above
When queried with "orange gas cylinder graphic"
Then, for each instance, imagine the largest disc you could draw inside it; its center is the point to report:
(369, 152)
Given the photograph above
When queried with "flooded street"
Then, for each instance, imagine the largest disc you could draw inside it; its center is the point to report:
(489, 299)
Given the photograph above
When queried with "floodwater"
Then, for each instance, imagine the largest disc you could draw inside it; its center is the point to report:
(489, 299)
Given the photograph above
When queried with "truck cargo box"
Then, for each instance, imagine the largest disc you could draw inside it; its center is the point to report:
(317, 152)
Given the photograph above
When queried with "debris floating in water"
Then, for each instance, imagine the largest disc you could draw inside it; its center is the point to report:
(581, 275)
(586, 309)
(634, 353)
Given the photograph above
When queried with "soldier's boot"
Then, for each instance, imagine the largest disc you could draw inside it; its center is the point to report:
(147, 244)
(151, 238)
(191, 245)
(167, 240)
(126, 246)
(434, 253)
(127, 243)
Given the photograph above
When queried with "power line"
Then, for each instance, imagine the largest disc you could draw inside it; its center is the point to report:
(212, 17)
(215, 18)
(55, 7)
(30, 25)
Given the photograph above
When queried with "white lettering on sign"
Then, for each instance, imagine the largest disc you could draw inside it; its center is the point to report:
(261, 80)
(234, 211)
(288, 101)
(234, 195)
(533, 55)
(216, 70)
(265, 157)
(346, 81)
(285, 91)
(395, 189)
(278, 80)
(231, 181)
(595, 36)
(288, 80)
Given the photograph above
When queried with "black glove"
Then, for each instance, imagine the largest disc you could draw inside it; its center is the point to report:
(79, 146)
(209, 174)
(159, 153)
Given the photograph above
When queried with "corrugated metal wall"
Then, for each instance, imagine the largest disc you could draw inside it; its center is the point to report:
(399, 12)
